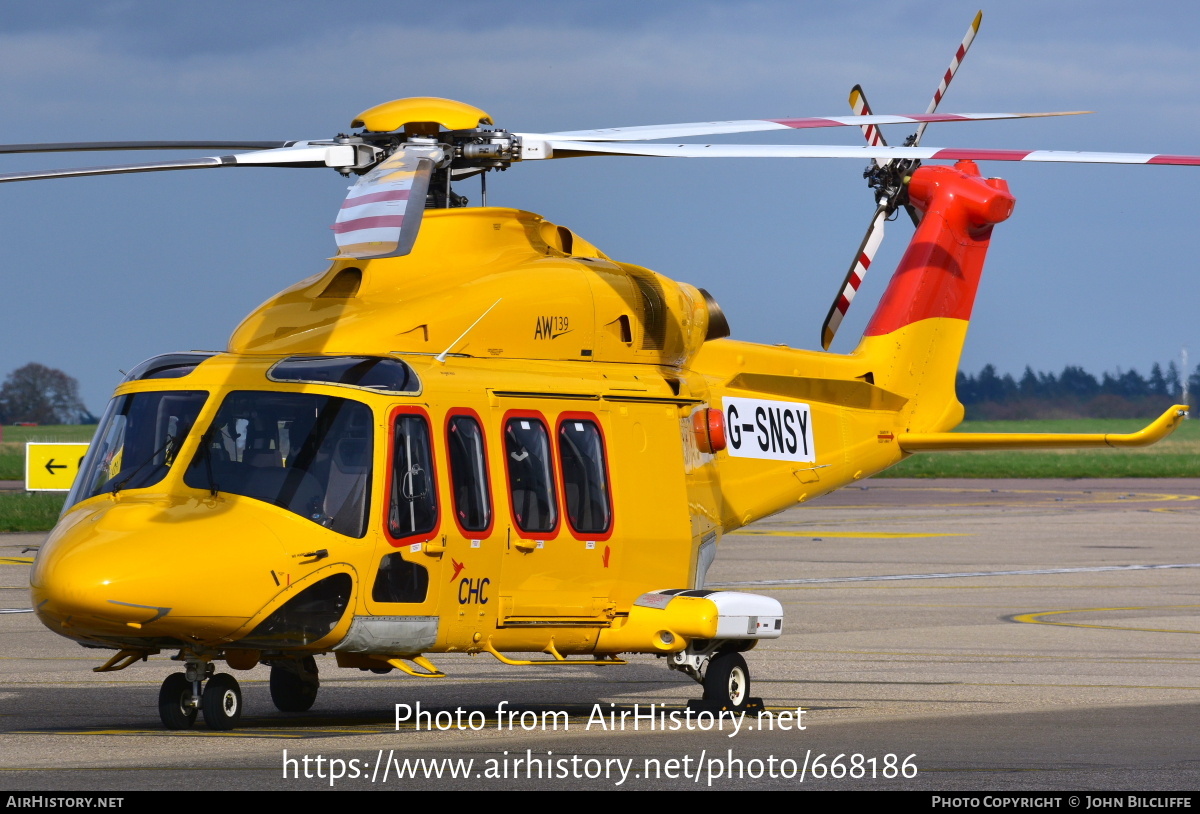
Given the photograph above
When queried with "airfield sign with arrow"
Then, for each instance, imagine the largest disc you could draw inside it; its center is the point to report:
(52, 467)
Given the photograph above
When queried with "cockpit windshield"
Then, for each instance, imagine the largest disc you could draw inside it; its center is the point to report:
(309, 454)
(136, 442)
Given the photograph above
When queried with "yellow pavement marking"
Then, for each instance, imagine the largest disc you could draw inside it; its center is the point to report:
(859, 586)
(1091, 494)
(1076, 498)
(1036, 618)
(852, 534)
(1086, 686)
(16, 560)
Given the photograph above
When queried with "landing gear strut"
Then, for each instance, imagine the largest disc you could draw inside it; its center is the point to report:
(184, 694)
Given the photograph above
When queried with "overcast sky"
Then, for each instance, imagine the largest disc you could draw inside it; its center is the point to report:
(1096, 267)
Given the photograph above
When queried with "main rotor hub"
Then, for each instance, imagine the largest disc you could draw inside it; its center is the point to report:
(421, 116)
(427, 120)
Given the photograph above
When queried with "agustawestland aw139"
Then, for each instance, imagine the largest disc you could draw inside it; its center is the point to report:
(476, 432)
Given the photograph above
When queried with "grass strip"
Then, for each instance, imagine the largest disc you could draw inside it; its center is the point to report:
(13, 440)
(30, 511)
(1178, 456)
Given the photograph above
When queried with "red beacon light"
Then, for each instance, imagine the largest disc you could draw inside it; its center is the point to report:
(709, 428)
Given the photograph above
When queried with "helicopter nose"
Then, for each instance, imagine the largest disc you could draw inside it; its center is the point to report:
(86, 590)
(129, 571)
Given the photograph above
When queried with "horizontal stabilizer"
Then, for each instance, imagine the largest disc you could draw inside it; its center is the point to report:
(1157, 430)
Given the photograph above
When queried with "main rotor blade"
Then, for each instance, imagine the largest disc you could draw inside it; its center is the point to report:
(113, 146)
(674, 131)
(382, 214)
(570, 149)
(959, 55)
(118, 169)
(854, 277)
(301, 154)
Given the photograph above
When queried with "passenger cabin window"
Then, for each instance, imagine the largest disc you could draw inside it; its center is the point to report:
(585, 476)
(306, 453)
(413, 508)
(530, 477)
(468, 474)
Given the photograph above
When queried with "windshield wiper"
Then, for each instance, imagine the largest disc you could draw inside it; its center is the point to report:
(117, 487)
(206, 451)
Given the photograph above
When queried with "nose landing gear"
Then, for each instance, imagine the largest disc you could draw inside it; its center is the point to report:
(181, 697)
(221, 702)
(176, 703)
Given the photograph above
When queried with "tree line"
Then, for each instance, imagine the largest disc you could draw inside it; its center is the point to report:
(1074, 393)
(42, 395)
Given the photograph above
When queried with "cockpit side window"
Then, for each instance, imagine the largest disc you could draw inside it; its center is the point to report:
(168, 366)
(530, 475)
(468, 474)
(376, 373)
(307, 453)
(136, 441)
(413, 507)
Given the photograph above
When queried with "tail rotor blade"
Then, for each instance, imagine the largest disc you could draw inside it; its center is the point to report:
(382, 213)
(885, 179)
(855, 276)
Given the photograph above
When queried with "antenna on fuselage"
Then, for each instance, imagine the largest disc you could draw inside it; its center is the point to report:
(441, 357)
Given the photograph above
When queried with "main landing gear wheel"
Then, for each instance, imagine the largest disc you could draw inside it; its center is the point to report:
(176, 706)
(294, 684)
(221, 702)
(727, 682)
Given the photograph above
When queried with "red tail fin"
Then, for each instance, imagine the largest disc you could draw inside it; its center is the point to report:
(940, 271)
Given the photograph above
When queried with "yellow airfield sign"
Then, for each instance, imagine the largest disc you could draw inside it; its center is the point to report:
(52, 467)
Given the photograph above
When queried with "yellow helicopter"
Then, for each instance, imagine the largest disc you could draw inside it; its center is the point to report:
(477, 433)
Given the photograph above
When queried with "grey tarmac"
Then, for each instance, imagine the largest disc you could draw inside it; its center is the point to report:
(1011, 635)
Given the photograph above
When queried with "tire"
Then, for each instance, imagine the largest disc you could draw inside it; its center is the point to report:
(173, 706)
(727, 681)
(294, 686)
(221, 702)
